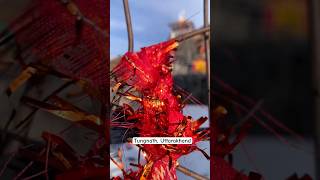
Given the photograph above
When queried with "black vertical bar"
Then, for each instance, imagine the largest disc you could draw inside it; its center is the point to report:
(105, 106)
(213, 12)
(314, 9)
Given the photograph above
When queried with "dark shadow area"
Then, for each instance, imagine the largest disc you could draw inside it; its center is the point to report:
(262, 62)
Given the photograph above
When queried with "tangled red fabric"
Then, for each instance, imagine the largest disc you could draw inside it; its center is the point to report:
(160, 111)
(67, 36)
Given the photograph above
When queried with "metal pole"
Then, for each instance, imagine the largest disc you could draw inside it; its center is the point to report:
(207, 46)
(190, 173)
(129, 25)
(206, 37)
(191, 34)
(208, 65)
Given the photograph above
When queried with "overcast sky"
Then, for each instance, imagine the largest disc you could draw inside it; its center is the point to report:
(150, 19)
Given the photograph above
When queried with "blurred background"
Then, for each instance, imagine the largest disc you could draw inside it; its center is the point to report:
(262, 49)
(12, 111)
